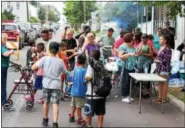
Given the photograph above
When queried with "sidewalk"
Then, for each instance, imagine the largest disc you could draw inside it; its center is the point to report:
(118, 115)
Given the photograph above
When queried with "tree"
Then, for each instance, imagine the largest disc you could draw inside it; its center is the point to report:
(42, 13)
(34, 3)
(33, 19)
(51, 11)
(7, 15)
(74, 11)
(173, 7)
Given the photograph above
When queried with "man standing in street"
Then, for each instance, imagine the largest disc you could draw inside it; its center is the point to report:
(82, 37)
(107, 41)
(171, 32)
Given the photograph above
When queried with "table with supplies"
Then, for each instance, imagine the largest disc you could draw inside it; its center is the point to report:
(146, 77)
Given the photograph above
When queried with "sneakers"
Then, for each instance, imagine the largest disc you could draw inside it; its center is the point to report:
(45, 122)
(85, 125)
(80, 121)
(29, 98)
(71, 119)
(7, 108)
(55, 125)
(127, 99)
(40, 101)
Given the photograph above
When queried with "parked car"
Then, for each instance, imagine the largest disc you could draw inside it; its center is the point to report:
(37, 27)
(12, 30)
(24, 31)
(31, 33)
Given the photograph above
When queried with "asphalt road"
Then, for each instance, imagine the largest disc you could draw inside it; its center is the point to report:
(118, 114)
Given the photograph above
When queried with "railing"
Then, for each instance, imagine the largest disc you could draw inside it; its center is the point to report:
(161, 24)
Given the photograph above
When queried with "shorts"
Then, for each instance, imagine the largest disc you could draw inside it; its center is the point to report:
(52, 96)
(38, 82)
(94, 106)
(77, 102)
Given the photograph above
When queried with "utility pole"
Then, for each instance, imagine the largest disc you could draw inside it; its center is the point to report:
(27, 9)
(146, 20)
(84, 10)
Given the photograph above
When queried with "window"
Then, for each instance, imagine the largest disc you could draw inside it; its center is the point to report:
(17, 5)
(8, 27)
(8, 5)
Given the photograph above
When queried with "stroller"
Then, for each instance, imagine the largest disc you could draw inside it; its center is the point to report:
(23, 85)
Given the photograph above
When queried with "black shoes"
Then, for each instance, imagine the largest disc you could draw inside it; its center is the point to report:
(45, 122)
(55, 125)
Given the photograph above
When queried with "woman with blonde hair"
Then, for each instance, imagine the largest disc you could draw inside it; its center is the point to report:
(71, 45)
(90, 44)
(5, 60)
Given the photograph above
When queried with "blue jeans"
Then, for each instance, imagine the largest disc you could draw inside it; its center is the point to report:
(3, 84)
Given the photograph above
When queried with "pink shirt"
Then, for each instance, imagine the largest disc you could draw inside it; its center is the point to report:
(40, 71)
(150, 42)
(117, 43)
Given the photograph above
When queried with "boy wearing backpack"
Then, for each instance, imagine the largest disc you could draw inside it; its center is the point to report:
(94, 103)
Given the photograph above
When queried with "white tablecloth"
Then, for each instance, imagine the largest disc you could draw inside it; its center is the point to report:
(147, 77)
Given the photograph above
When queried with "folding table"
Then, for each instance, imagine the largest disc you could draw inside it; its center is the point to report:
(146, 77)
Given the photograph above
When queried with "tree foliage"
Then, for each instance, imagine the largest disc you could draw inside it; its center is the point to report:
(74, 11)
(7, 15)
(51, 11)
(33, 19)
(173, 7)
(34, 3)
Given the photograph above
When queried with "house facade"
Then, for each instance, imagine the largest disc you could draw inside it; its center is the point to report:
(20, 8)
(152, 18)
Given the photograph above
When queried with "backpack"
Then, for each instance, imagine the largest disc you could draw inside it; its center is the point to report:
(101, 83)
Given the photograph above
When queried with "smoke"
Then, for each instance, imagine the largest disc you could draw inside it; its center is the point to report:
(123, 13)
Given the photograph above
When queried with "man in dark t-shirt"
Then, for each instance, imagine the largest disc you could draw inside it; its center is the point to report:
(171, 32)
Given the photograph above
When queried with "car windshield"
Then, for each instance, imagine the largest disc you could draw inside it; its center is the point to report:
(34, 26)
(8, 27)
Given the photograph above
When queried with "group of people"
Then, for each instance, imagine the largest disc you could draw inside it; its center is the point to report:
(53, 60)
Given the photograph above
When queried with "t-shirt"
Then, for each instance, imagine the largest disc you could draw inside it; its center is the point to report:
(130, 63)
(62, 55)
(156, 42)
(118, 42)
(40, 71)
(107, 40)
(53, 67)
(90, 74)
(4, 60)
(91, 47)
(79, 87)
(71, 44)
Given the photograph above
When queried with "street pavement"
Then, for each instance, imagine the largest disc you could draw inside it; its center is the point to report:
(118, 114)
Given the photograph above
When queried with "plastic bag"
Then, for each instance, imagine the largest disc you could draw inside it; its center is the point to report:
(176, 83)
(175, 67)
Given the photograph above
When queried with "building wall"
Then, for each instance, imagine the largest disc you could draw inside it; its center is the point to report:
(146, 27)
(180, 28)
(180, 31)
(18, 9)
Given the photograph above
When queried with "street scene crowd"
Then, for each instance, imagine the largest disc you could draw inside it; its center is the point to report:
(75, 68)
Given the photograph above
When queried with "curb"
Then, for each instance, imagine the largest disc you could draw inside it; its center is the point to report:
(177, 103)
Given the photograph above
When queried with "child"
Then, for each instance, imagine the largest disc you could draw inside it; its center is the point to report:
(90, 46)
(52, 67)
(62, 54)
(78, 90)
(93, 104)
(39, 50)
